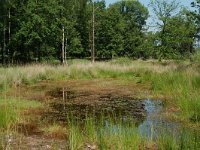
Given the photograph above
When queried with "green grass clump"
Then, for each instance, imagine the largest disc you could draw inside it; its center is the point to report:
(75, 138)
(181, 89)
(112, 133)
(10, 110)
(183, 140)
(78, 61)
(120, 137)
(104, 136)
(19, 103)
(7, 116)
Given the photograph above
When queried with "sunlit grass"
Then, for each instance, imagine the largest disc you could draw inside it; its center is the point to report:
(176, 82)
(10, 114)
(114, 134)
(179, 81)
(75, 138)
(122, 68)
(10, 109)
(7, 116)
(185, 139)
(104, 134)
(55, 131)
(181, 89)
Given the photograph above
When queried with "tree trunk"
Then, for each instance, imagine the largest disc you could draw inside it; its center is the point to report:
(4, 44)
(93, 36)
(63, 45)
(9, 31)
(65, 55)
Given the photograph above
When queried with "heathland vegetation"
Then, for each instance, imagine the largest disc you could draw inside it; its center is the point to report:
(175, 82)
(46, 76)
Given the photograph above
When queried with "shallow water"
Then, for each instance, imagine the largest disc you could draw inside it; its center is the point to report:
(81, 105)
(145, 114)
(154, 122)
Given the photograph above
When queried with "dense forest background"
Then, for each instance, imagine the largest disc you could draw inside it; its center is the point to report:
(53, 30)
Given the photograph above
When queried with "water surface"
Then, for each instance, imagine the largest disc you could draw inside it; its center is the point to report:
(145, 114)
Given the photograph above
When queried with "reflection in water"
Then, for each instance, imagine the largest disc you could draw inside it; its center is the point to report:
(64, 94)
(111, 108)
(154, 122)
(157, 127)
(69, 103)
(146, 115)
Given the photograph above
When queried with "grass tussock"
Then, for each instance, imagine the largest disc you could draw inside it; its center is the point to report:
(55, 131)
(107, 134)
(10, 110)
(178, 81)
(10, 118)
(93, 135)
(120, 68)
(181, 89)
(186, 139)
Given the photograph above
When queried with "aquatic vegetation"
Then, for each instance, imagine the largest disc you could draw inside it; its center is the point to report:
(177, 83)
(104, 136)
(119, 135)
(181, 89)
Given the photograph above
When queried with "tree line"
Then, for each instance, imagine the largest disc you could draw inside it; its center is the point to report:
(50, 30)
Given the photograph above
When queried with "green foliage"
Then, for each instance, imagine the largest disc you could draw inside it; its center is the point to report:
(18, 104)
(175, 37)
(196, 14)
(196, 57)
(33, 31)
(75, 138)
(37, 28)
(119, 29)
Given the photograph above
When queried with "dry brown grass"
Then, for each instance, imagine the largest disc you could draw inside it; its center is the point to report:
(14, 76)
(55, 131)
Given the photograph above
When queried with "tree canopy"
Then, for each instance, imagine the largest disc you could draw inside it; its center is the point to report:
(48, 30)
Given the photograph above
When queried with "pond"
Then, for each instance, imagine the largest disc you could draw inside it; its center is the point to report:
(144, 114)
